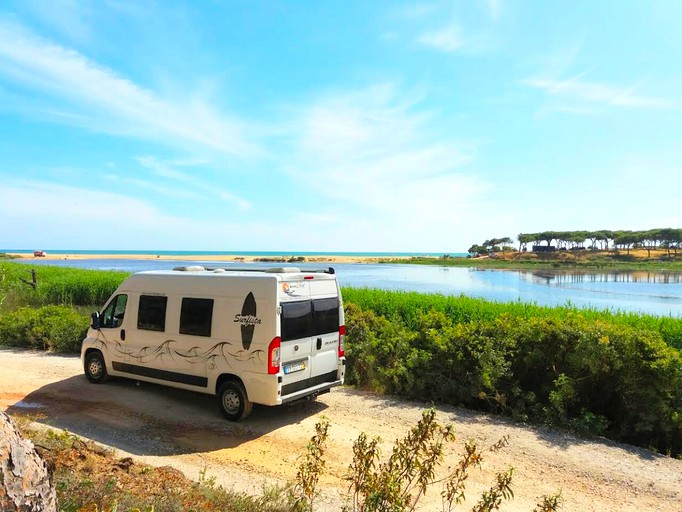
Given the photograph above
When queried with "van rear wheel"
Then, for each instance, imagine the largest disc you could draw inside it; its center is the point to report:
(95, 369)
(234, 404)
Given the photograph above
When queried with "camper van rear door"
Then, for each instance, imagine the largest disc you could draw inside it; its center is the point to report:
(326, 337)
(297, 327)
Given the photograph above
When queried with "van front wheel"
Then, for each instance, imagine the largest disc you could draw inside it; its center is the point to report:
(95, 369)
(233, 402)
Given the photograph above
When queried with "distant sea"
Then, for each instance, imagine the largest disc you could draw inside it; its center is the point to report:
(240, 253)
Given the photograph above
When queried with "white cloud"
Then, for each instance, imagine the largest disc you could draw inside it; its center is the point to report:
(446, 40)
(375, 156)
(63, 217)
(97, 98)
(169, 171)
(578, 90)
(70, 18)
(495, 9)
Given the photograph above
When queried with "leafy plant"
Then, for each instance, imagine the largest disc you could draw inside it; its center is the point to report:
(398, 483)
(54, 328)
(305, 489)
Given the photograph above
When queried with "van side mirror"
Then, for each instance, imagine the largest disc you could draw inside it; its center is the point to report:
(94, 320)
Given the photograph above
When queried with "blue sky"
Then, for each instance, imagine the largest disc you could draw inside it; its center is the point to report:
(337, 125)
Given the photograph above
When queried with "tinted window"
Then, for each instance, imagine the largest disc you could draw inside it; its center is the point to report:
(326, 315)
(196, 316)
(112, 316)
(151, 314)
(309, 318)
(297, 320)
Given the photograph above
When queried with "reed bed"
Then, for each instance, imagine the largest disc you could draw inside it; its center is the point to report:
(408, 307)
(56, 285)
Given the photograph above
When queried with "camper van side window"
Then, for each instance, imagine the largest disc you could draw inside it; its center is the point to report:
(326, 315)
(297, 320)
(196, 316)
(151, 314)
(112, 316)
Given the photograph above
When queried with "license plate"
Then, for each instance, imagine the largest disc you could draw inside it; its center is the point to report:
(294, 367)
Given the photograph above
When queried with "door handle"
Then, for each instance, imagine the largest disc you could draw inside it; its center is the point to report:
(123, 334)
(319, 343)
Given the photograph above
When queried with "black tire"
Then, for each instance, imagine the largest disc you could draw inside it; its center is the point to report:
(232, 400)
(95, 368)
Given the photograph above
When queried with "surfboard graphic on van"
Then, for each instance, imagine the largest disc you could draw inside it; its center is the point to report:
(248, 313)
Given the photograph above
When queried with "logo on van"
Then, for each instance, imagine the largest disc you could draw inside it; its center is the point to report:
(248, 320)
(290, 288)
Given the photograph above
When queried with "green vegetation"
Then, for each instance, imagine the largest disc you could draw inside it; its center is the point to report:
(88, 477)
(53, 314)
(407, 308)
(590, 373)
(398, 483)
(53, 328)
(56, 285)
(600, 372)
(572, 249)
(584, 260)
(666, 238)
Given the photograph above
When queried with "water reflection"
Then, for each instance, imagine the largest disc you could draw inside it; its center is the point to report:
(550, 277)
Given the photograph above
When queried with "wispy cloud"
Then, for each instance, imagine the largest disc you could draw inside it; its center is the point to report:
(63, 217)
(95, 97)
(373, 153)
(447, 28)
(446, 40)
(580, 90)
(495, 8)
(169, 170)
(70, 18)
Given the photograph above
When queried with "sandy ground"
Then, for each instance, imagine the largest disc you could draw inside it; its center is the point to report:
(163, 426)
(211, 257)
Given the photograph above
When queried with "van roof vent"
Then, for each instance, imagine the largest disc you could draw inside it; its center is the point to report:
(190, 268)
(219, 270)
(284, 270)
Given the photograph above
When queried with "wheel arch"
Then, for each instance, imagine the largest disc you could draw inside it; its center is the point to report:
(90, 350)
(229, 377)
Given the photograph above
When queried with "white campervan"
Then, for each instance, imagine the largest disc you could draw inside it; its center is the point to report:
(248, 336)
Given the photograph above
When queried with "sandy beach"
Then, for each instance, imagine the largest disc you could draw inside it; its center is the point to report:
(284, 258)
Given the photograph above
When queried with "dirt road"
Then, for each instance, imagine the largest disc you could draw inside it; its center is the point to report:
(162, 426)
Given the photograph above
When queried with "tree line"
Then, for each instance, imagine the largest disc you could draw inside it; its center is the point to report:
(660, 238)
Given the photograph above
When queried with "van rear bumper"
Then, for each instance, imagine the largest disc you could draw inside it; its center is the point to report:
(315, 390)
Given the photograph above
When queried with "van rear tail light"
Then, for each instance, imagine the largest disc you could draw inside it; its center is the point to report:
(342, 334)
(274, 356)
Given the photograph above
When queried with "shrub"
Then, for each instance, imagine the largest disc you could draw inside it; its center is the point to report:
(54, 328)
(398, 483)
(589, 375)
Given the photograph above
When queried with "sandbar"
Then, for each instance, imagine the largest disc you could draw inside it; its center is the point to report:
(284, 258)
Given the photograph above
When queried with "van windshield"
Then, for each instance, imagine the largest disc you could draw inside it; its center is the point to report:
(304, 319)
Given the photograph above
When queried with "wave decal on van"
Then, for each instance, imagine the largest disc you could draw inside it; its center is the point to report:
(220, 351)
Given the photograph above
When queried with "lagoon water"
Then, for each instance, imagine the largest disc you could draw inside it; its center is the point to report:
(641, 291)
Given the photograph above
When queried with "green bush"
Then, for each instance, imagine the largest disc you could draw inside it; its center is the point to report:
(590, 376)
(54, 328)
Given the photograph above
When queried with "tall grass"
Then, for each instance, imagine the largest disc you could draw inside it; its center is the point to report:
(408, 307)
(56, 285)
